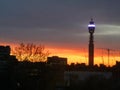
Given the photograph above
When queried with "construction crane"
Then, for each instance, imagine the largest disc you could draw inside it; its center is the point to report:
(108, 54)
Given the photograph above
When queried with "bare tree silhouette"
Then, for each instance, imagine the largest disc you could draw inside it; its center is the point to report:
(30, 52)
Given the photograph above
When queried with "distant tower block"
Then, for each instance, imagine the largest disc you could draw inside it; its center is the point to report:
(91, 28)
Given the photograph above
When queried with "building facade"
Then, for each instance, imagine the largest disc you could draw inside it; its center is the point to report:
(57, 60)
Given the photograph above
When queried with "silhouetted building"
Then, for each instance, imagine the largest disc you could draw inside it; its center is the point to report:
(6, 59)
(5, 54)
(118, 63)
(57, 60)
(116, 70)
(4, 51)
(7, 63)
(91, 28)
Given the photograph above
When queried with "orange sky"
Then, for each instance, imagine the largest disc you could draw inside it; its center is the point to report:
(81, 55)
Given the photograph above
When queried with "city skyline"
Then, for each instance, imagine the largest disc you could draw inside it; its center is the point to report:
(60, 25)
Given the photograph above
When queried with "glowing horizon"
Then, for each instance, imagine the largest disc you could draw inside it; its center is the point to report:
(100, 57)
(81, 55)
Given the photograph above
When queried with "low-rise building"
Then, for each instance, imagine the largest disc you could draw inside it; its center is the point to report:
(57, 60)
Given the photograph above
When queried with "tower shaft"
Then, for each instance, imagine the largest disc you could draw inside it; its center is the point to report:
(91, 50)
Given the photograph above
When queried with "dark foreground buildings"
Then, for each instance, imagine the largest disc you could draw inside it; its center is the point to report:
(55, 74)
(7, 63)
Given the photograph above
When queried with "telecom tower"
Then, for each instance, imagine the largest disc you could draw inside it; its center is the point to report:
(91, 28)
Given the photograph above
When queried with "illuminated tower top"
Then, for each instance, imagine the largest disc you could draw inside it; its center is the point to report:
(91, 26)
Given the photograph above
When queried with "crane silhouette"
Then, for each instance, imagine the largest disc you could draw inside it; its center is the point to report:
(108, 54)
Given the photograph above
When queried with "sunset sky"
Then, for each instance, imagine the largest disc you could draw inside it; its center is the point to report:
(61, 25)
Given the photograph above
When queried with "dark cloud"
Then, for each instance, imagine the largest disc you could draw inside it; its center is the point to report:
(56, 21)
